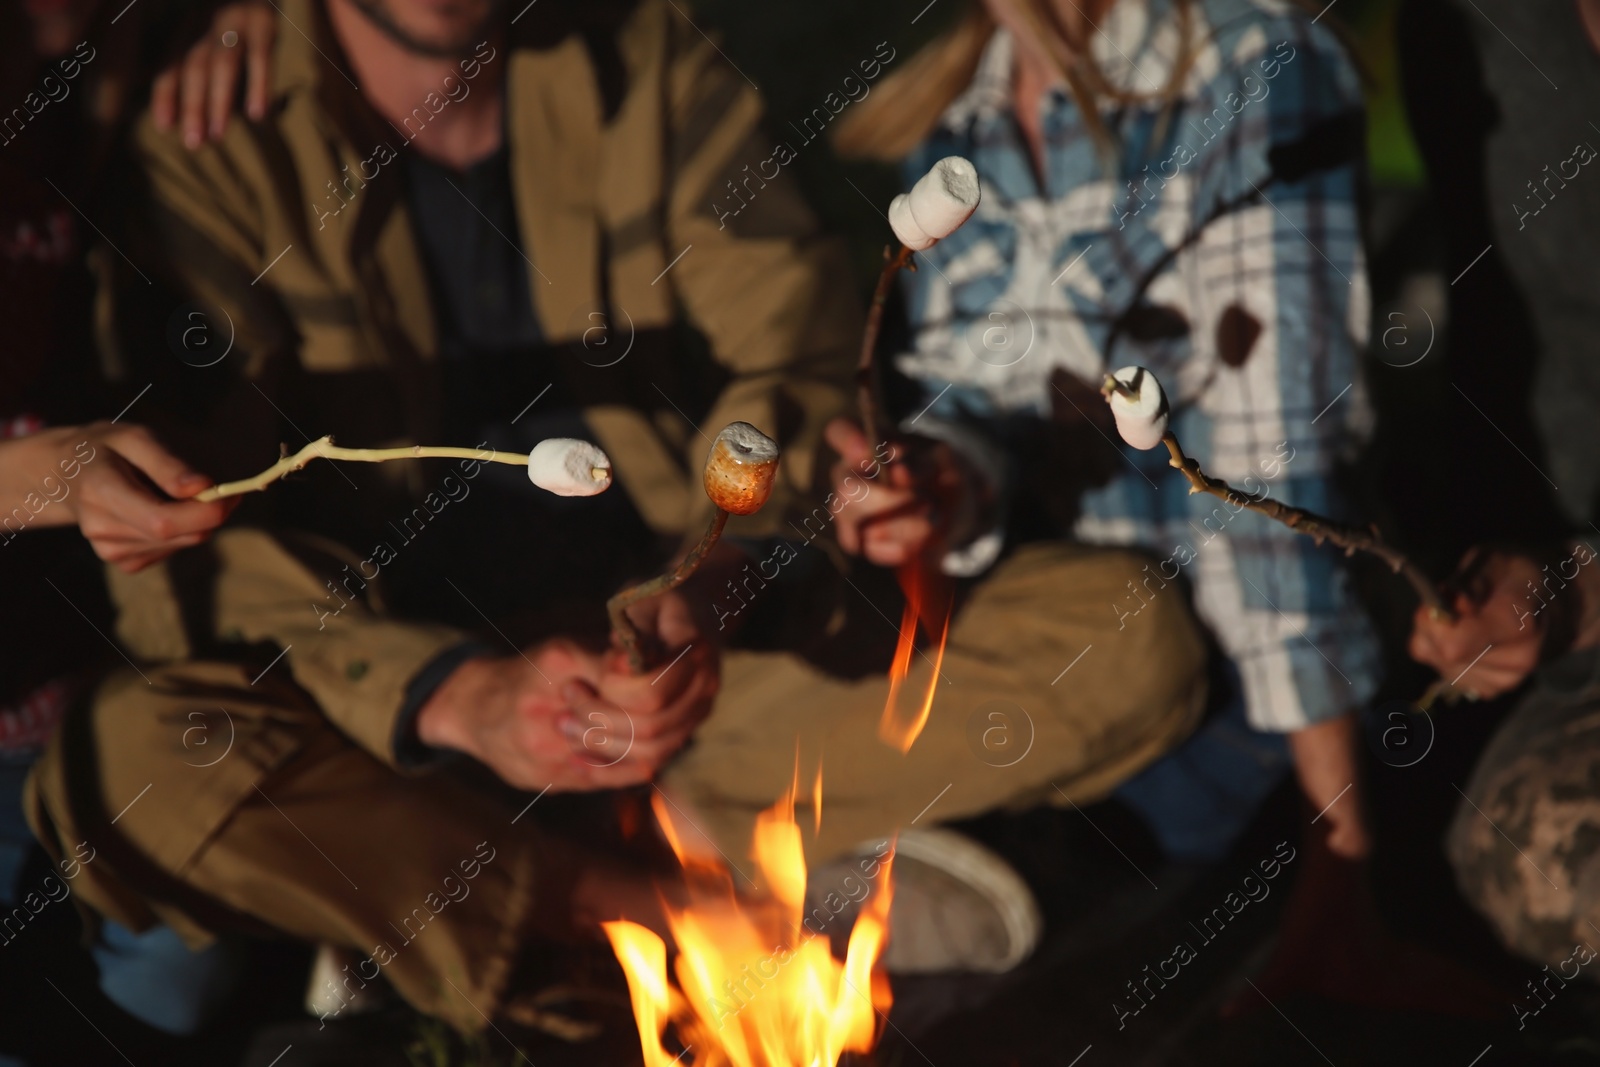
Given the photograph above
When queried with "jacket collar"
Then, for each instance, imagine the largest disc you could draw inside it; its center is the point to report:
(555, 150)
(300, 58)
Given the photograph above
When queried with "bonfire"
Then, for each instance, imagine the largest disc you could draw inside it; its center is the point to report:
(754, 987)
(751, 985)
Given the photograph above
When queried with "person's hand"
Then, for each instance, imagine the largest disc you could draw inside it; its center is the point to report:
(126, 523)
(562, 717)
(1494, 641)
(895, 517)
(199, 89)
(633, 724)
(506, 712)
(891, 520)
(96, 477)
(1327, 762)
(669, 617)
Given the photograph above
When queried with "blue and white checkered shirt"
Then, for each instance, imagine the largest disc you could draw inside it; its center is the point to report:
(1220, 248)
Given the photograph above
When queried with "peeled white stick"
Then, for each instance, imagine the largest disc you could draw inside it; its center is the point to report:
(553, 463)
(566, 466)
(1140, 407)
(937, 205)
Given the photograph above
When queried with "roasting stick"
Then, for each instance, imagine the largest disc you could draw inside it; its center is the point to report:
(866, 366)
(561, 465)
(1140, 407)
(739, 473)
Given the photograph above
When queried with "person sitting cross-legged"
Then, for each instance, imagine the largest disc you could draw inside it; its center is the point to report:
(459, 226)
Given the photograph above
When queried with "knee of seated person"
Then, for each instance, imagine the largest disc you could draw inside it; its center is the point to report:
(159, 980)
(193, 713)
(1501, 867)
(1142, 628)
(1160, 640)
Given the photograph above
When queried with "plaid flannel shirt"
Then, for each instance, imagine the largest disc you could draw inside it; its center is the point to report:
(1219, 247)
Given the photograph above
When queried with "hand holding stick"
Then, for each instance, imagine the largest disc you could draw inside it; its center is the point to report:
(561, 465)
(739, 473)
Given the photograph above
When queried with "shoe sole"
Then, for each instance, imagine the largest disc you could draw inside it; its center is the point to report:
(987, 874)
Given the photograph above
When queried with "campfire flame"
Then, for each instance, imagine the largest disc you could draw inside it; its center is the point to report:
(895, 729)
(755, 987)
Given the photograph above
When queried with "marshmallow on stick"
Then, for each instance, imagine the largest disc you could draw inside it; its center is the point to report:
(1141, 409)
(739, 472)
(560, 465)
(566, 466)
(937, 205)
(1139, 406)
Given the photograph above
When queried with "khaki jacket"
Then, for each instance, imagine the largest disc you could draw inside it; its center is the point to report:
(618, 151)
(294, 233)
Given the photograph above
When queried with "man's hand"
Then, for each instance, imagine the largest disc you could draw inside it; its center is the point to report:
(1494, 641)
(199, 89)
(574, 720)
(895, 517)
(507, 714)
(630, 725)
(95, 476)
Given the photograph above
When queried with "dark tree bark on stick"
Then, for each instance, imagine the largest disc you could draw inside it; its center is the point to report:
(640, 649)
(866, 367)
(1317, 527)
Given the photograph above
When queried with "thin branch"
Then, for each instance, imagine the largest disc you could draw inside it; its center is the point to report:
(866, 365)
(324, 448)
(633, 643)
(1317, 527)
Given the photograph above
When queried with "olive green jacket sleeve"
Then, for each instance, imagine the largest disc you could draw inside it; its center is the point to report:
(269, 598)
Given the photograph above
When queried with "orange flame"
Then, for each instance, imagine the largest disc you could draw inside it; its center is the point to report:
(754, 988)
(893, 729)
(816, 797)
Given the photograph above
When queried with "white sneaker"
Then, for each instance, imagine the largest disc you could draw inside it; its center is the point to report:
(332, 991)
(957, 906)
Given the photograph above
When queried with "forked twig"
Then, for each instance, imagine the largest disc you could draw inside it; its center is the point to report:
(640, 651)
(1317, 527)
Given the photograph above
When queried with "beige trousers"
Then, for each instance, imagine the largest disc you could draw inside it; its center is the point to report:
(1040, 698)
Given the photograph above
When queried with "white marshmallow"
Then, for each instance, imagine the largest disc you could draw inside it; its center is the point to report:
(569, 467)
(1141, 418)
(937, 204)
(905, 227)
(945, 197)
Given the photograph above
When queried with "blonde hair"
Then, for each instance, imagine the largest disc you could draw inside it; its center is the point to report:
(905, 108)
